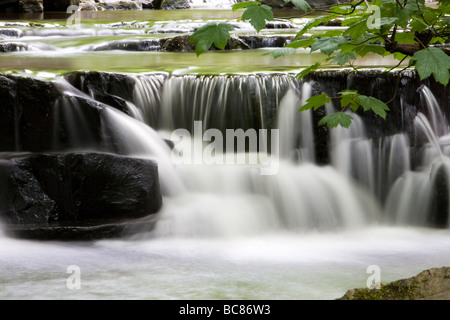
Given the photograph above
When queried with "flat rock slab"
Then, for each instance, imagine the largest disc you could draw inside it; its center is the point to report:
(80, 231)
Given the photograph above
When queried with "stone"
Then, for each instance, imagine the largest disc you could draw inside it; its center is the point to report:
(49, 190)
(151, 4)
(175, 4)
(182, 44)
(31, 6)
(110, 88)
(9, 5)
(34, 119)
(431, 284)
(120, 5)
(88, 5)
(58, 5)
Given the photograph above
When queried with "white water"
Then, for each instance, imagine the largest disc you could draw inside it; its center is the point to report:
(282, 266)
(226, 232)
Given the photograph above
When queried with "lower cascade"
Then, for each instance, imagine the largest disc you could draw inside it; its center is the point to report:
(321, 179)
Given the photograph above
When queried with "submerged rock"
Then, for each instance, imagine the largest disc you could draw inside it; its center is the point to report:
(16, 46)
(432, 284)
(11, 32)
(48, 191)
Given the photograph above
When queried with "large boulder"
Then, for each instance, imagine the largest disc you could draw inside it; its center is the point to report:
(36, 116)
(76, 189)
(110, 88)
(31, 6)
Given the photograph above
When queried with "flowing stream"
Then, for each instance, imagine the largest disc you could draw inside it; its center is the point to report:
(226, 231)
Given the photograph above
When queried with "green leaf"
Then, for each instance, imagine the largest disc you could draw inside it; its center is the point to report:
(315, 102)
(405, 37)
(371, 103)
(309, 25)
(212, 32)
(399, 56)
(336, 119)
(349, 97)
(301, 43)
(258, 14)
(242, 5)
(432, 61)
(280, 52)
(301, 4)
(357, 30)
(328, 45)
(304, 72)
(373, 48)
(344, 57)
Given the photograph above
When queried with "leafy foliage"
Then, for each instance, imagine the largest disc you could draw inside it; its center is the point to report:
(336, 119)
(432, 61)
(316, 102)
(257, 14)
(409, 30)
(301, 4)
(205, 36)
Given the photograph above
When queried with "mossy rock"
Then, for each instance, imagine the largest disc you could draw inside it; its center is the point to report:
(432, 284)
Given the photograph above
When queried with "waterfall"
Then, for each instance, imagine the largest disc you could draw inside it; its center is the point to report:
(126, 134)
(147, 97)
(296, 128)
(366, 181)
(421, 197)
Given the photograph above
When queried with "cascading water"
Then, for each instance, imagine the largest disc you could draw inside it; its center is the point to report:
(225, 227)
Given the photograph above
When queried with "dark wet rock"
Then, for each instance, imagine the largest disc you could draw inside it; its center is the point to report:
(75, 189)
(31, 6)
(11, 32)
(280, 24)
(175, 4)
(58, 5)
(16, 46)
(256, 41)
(112, 89)
(131, 45)
(81, 231)
(277, 4)
(178, 44)
(9, 5)
(431, 284)
(151, 4)
(37, 117)
(182, 44)
(439, 214)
